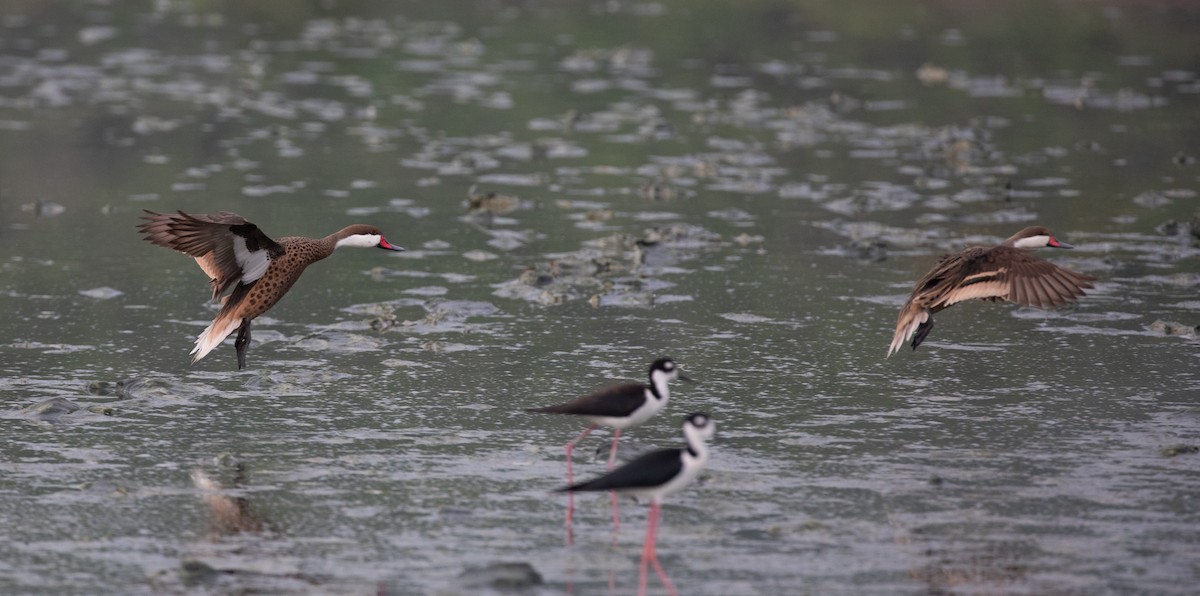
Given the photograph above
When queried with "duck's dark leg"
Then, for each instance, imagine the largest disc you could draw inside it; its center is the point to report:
(242, 343)
(922, 330)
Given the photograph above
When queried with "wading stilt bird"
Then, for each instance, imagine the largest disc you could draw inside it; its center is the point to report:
(239, 258)
(1006, 271)
(619, 407)
(656, 475)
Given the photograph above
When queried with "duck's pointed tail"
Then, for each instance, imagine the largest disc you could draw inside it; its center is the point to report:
(214, 334)
(912, 320)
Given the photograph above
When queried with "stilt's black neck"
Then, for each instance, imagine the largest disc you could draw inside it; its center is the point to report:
(654, 389)
(659, 393)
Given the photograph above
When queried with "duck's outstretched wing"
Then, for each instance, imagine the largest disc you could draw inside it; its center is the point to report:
(995, 273)
(227, 247)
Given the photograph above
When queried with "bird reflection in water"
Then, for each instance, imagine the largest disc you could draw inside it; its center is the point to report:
(228, 515)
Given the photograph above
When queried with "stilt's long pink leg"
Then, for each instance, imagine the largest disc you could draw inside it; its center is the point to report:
(651, 553)
(663, 576)
(571, 480)
(612, 458)
(612, 453)
(647, 548)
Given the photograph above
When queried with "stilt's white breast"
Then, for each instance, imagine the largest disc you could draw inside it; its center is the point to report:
(693, 462)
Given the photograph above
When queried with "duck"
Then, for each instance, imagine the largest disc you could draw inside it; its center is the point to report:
(248, 271)
(1006, 271)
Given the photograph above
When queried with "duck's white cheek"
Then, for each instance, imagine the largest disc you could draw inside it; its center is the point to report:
(1032, 242)
(359, 241)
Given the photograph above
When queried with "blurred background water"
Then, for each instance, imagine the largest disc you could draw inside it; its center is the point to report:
(750, 188)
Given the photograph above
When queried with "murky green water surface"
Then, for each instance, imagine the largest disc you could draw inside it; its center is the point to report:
(750, 188)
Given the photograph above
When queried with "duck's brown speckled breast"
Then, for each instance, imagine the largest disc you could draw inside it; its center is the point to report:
(299, 253)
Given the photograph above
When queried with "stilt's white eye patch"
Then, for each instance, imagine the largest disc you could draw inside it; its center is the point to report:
(668, 365)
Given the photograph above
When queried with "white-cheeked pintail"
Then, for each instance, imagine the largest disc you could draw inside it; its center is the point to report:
(1006, 271)
(240, 259)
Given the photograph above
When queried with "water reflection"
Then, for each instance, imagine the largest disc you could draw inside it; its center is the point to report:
(228, 515)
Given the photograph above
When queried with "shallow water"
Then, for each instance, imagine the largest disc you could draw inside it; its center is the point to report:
(749, 191)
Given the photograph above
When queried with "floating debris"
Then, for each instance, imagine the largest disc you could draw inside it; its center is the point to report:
(1173, 328)
(733, 214)
(745, 239)
(658, 191)
(1152, 199)
(450, 316)
(480, 256)
(930, 74)
(94, 34)
(509, 240)
(871, 250)
(492, 203)
(121, 389)
(1188, 231)
(42, 208)
(51, 348)
(742, 317)
(603, 270)
(195, 573)
(50, 410)
(1181, 449)
(102, 293)
(501, 576)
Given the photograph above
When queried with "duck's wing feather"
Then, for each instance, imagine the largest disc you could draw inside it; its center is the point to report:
(226, 246)
(1000, 273)
(1035, 282)
(652, 469)
(986, 273)
(615, 401)
(957, 277)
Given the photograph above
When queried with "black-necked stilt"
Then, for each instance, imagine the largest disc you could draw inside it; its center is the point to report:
(1005, 271)
(239, 258)
(656, 475)
(620, 407)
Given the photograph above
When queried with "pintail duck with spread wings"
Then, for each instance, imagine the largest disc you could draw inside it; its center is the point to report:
(240, 259)
(1006, 271)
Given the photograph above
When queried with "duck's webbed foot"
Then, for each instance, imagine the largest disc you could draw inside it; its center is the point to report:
(922, 330)
(242, 343)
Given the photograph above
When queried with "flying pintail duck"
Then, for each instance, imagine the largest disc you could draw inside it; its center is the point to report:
(654, 476)
(239, 258)
(620, 407)
(1003, 272)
